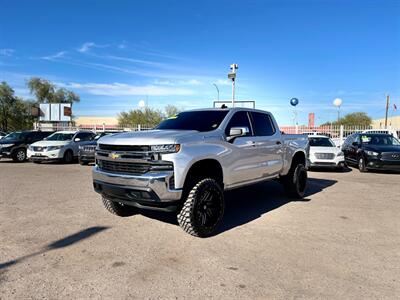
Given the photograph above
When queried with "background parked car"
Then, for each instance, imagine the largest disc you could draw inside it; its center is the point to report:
(87, 149)
(372, 151)
(324, 153)
(2, 134)
(15, 144)
(61, 145)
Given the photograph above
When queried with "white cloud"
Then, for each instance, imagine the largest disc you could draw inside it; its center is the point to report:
(189, 82)
(6, 52)
(88, 45)
(223, 82)
(59, 54)
(122, 89)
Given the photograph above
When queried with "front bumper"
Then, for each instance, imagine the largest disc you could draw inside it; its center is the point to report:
(152, 190)
(378, 164)
(87, 157)
(44, 155)
(327, 163)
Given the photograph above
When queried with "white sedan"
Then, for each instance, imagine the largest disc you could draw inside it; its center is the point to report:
(324, 153)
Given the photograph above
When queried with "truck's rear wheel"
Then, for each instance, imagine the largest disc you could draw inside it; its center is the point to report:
(203, 208)
(295, 182)
(117, 208)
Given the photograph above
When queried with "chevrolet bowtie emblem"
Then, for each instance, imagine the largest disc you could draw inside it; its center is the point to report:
(114, 155)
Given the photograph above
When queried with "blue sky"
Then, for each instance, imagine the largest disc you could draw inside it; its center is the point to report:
(115, 53)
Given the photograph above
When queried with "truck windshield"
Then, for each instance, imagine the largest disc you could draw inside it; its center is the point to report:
(321, 142)
(204, 120)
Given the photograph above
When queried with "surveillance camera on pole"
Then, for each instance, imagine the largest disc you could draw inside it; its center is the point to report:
(232, 76)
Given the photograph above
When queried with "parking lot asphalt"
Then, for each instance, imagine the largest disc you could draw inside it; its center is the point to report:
(57, 241)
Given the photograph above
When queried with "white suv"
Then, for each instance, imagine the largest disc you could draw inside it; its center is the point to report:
(324, 153)
(61, 145)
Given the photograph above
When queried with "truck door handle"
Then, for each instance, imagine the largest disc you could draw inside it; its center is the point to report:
(278, 142)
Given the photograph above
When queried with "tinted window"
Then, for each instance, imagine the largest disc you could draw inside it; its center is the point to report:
(262, 124)
(379, 140)
(18, 135)
(239, 119)
(205, 120)
(60, 137)
(84, 136)
(321, 142)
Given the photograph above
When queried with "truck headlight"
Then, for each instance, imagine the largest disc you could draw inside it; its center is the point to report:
(340, 153)
(371, 153)
(52, 148)
(167, 148)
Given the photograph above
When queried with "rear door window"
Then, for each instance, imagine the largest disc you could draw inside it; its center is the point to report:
(262, 124)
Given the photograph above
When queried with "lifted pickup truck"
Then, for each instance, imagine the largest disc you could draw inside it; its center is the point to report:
(187, 162)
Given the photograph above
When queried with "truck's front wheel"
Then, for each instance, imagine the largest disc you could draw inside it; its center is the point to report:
(117, 208)
(203, 208)
(295, 182)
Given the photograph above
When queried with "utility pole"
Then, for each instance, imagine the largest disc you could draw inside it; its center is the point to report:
(387, 109)
(232, 76)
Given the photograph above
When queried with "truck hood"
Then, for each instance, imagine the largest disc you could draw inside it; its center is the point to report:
(50, 143)
(150, 137)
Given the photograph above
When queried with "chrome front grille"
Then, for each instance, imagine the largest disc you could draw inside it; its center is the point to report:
(123, 167)
(325, 155)
(38, 149)
(129, 159)
(392, 156)
(89, 148)
(125, 148)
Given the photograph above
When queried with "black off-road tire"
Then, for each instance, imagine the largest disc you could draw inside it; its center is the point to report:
(295, 182)
(118, 209)
(19, 155)
(361, 165)
(203, 208)
(68, 157)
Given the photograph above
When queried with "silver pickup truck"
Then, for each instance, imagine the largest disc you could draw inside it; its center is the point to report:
(187, 162)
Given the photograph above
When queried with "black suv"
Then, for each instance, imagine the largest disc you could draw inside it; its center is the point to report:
(372, 151)
(87, 149)
(14, 145)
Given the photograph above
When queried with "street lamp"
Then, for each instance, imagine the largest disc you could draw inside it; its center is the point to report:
(232, 76)
(217, 90)
(338, 102)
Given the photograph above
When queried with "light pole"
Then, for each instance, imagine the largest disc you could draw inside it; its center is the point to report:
(232, 76)
(338, 102)
(217, 90)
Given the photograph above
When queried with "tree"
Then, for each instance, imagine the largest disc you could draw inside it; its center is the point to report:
(353, 119)
(47, 92)
(171, 110)
(14, 111)
(148, 116)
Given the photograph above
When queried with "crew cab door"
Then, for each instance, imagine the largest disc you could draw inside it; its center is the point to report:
(268, 143)
(243, 164)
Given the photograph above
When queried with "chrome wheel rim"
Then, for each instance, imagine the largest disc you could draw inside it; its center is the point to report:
(21, 155)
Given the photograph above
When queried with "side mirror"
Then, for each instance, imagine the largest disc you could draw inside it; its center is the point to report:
(238, 131)
(77, 140)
